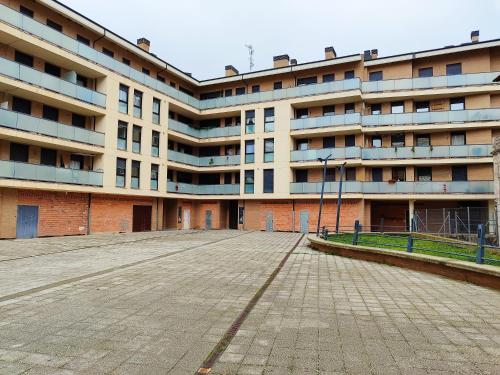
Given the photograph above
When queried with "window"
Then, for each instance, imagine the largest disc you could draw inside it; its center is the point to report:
(146, 71)
(459, 173)
(210, 95)
(19, 152)
(422, 106)
(121, 168)
(349, 74)
(250, 122)
(155, 143)
(48, 157)
(268, 180)
(126, 61)
(350, 140)
(228, 92)
(350, 174)
(123, 99)
(301, 113)
(228, 177)
(425, 72)
(307, 81)
(50, 113)
(397, 107)
(136, 139)
(108, 52)
(278, 85)
(23, 58)
(78, 120)
(158, 77)
(52, 70)
(458, 139)
(21, 105)
(27, 12)
(76, 161)
(397, 140)
(256, 88)
(187, 91)
(376, 141)
(81, 80)
(376, 76)
(137, 104)
(302, 144)
(268, 119)
(453, 69)
(457, 104)
(301, 175)
(424, 174)
(330, 175)
(268, 150)
(170, 175)
(135, 174)
(154, 176)
(240, 91)
(376, 109)
(156, 111)
(83, 40)
(328, 77)
(399, 174)
(377, 174)
(349, 108)
(54, 25)
(172, 83)
(328, 110)
(422, 140)
(249, 151)
(249, 182)
(328, 142)
(121, 143)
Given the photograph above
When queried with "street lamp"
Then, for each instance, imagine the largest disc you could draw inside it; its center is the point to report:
(322, 160)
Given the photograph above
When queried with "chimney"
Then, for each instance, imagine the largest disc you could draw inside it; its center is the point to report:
(330, 53)
(293, 62)
(281, 61)
(143, 44)
(374, 54)
(474, 36)
(231, 71)
(367, 55)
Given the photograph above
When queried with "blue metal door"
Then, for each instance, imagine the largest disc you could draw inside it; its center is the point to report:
(304, 222)
(27, 221)
(208, 219)
(269, 222)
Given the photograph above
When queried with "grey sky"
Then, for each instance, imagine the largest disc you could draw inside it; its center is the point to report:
(202, 36)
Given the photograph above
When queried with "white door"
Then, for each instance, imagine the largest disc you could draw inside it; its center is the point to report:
(186, 219)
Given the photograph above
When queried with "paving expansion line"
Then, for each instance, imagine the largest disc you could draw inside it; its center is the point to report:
(109, 270)
(222, 345)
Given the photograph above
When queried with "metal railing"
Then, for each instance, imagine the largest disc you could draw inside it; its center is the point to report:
(336, 153)
(183, 128)
(325, 121)
(424, 152)
(203, 161)
(184, 188)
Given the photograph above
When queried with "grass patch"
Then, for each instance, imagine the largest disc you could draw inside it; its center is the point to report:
(422, 246)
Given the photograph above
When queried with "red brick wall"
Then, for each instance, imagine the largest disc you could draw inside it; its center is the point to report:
(59, 214)
(200, 210)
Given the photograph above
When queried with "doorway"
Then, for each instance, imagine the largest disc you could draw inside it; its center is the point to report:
(141, 218)
(208, 219)
(233, 214)
(186, 218)
(27, 221)
(304, 222)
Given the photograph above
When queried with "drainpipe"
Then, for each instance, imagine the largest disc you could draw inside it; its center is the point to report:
(88, 213)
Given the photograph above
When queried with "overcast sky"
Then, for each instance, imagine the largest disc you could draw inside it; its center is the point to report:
(202, 36)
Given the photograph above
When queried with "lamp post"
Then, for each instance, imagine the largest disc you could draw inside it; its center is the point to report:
(322, 160)
(339, 200)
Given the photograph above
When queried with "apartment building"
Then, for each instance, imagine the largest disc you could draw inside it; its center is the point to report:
(99, 135)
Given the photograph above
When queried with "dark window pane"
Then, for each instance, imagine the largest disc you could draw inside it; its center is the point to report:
(349, 108)
(268, 180)
(27, 12)
(145, 71)
(328, 77)
(108, 52)
(278, 85)
(78, 120)
(48, 157)
(376, 76)
(328, 110)
(228, 92)
(376, 109)
(397, 140)
(52, 70)
(82, 39)
(350, 140)
(54, 25)
(424, 174)
(377, 174)
(302, 113)
(453, 69)
(301, 175)
(328, 142)
(422, 106)
(240, 91)
(459, 173)
(81, 80)
(422, 140)
(127, 62)
(350, 174)
(349, 74)
(307, 81)
(50, 113)
(19, 152)
(457, 104)
(399, 174)
(425, 72)
(256, 88)
(21, 105)
(23, 58)
(330, 175)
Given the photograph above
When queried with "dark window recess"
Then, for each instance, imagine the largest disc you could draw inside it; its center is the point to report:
(424, 174)
(240, 91)
(399, 174)
(328, 77)
(376, 109)
(21, 105)
(170, 175)
(422, 140)
(350, 140)
(459, 173)
(154, 174)
(302, 144)
(158, 77)
(425, 72)
(350, 174)
(330, 175)
(186, 178)
(146, 71)
(108, 52)
(136, 171)
(76, 161)
(228, 92)
(82, 39)
(209, 179)
(328, 110)
(377, 174)
(23, 58)
(54, 25)
(457, 104)
(227, 178)
(278, 85)
(121, 168)
(376, 76)
(27, 12)
(301, 175)
(453, 69)
(349, 108)
(126, 61)
(268, 180)
(52, 70)
(19, 152)
(328, 142)
(458, 139)
(172, 83)
(256, 88)
(78, 120)
(50, 113)
(186, 91)
(301, 113)
(349, 74)
(122, 135)
(307, 81)
(397, 140)
(210, 95)
(422, 106)
(81, 80)
(48, 157)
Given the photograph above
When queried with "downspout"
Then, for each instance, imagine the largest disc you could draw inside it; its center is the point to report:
(88, 213)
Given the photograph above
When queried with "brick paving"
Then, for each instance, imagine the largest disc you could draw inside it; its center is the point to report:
(177, 293)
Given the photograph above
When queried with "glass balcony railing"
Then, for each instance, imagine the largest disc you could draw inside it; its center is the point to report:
(183, 188)
(468, 115)
(180, 127)
(472, 79)
(424, 152)
(325, 121)
(37, 172)
(20, 121)
(34, 77)
(401, 187)
(203, 161)
(336, 153)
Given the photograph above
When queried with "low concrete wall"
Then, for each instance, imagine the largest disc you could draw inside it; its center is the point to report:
(480, 274)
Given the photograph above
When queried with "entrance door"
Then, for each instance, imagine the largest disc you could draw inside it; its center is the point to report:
(304, 222)
(141, 218)
(208, 219)
(27, 221)
(186, 218)
(269, 222)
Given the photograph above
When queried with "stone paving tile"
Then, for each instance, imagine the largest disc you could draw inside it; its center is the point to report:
(331, 315)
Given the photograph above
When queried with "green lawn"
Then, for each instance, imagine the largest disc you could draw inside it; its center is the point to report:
(399, 242)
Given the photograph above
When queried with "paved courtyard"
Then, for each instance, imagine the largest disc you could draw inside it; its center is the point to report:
(160, 303)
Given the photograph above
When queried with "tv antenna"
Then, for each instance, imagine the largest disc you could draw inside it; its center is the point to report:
(250, 55)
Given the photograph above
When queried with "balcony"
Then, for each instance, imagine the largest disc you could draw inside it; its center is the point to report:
(180, 127)
(400, 187)
(425, 152)
(19, 121)
(203, 161)
(472, 79)
(416, 118)
(337, 153)
(325, 121)
(34, 77)
(37, 172)
(183, 188)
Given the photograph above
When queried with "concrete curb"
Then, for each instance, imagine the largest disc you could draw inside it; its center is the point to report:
(480, 274)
